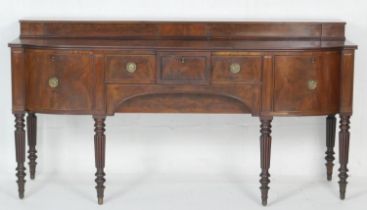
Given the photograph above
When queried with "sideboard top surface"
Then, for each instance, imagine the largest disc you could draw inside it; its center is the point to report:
(182, 35)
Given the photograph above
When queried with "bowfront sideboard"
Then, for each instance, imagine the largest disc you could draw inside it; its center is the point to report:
(100, 68)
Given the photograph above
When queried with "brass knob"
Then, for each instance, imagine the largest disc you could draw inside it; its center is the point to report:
(53, 82)
(235, 68)
(131, 67)
(312, 84)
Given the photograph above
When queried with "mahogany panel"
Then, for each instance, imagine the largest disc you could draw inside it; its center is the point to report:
(333, 31)
(346, 80)
(74, 89)
(249, 69)
(87, 29)
(183, 30)
(99, 77)
(18, 80)
(266, 30)
(267, 86)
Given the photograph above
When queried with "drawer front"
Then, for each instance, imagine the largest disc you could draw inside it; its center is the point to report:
(236, 98)
(244, 69)
(306, 84)
(183, 67)
(130, 69)
(59, 82)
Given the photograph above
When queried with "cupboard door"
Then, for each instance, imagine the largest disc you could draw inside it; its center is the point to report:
(59, 81)
(306, 84)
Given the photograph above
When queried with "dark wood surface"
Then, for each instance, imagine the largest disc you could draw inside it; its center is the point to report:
(32, 142)
(182, 30)
(265, 150)
(101, 68)
(136, 44)
(330, 143)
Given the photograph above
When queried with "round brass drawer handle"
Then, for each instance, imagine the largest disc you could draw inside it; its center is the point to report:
(53, 82)
(312, 84)
(131, 67)
(235, 68)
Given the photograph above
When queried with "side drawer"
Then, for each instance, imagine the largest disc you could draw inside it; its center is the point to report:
(130, 69)
(229, 69)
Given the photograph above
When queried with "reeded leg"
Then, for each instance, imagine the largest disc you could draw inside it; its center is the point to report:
(32, 141)
(343, 152)
(330, 143)
(20, 152)
(265, 148)
(99, 147)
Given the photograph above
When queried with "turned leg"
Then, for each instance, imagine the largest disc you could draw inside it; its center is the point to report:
(265, 148)
(99, 147)
(343, 152)
(330, 143)
(32, 141)
(20, 152)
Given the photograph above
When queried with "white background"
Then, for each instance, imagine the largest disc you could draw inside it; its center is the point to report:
(184, 150)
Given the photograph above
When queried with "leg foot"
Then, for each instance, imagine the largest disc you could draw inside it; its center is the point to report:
(99, 147)
(264, 202)
(343, 153)
(330, 143)
(32, 141)
(20, 152)
(265, 148)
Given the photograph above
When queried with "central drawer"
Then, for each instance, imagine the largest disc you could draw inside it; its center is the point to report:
(183, 67)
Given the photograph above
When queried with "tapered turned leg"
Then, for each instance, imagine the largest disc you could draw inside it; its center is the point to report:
(265, 148)
(20, 152)
(99, 147)
(32, 141)
(343, 153)
(330, 143)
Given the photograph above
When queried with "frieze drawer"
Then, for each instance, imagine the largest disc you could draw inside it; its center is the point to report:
(183, 67)
(130, 69)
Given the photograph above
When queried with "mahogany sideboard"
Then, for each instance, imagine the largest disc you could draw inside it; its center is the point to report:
(100, 68)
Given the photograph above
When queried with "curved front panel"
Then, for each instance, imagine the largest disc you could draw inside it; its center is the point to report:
(260, 83)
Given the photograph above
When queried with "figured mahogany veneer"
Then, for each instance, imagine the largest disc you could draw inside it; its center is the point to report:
(100, 68)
